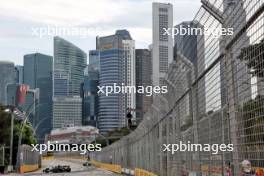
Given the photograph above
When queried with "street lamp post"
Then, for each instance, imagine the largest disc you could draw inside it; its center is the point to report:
(19, 156)
(13, 111)
(3, 155)
(11, 142)
(10, 167)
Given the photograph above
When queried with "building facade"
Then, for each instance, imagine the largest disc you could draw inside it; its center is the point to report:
(71, 60)
(61, 83)
(69, 64)
(12, 94)
(73, 135)
(90, 89)
(143, 78)
(191, 48)
(7, 72)
(117, 65)
(32, 103)
(162, 43)
(38, 70)
(94, 59)
(19, 73)
(67, 111)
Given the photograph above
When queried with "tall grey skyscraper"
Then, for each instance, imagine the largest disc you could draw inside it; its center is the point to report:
(192, 48)
(238, 18)
(32, 102)
(69, 64)
(72, 60)
(90, 89)
(143, 78)
(61, 83)
(162, 43)
(38, 70)
(12, 94)
(117, 65)
(94, 59)
(19, 74)
(90, 97)
(7, 72)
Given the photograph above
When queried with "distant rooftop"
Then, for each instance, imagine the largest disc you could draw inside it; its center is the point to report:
(6, 62)
(124, 33)
(73, 129)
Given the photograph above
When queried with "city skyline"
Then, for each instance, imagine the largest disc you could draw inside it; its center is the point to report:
(167, 91)
(27, 17)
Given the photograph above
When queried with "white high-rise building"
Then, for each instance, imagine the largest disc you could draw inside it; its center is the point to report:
(130, 75)
(162, 45)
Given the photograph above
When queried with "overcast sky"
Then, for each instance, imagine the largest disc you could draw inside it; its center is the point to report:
(19, 19)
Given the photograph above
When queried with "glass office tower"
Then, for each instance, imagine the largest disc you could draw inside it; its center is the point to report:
(72, 60)
(38, 74)
(69, 64)
(117, 65)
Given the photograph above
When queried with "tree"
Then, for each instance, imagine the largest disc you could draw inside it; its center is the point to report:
(5, 128)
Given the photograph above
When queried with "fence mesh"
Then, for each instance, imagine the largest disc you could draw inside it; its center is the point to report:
(218, 99)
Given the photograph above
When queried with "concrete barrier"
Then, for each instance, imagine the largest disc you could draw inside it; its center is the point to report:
(48, 157)
(118, 169)
(28, 168)
(141, 172)
(110, 167)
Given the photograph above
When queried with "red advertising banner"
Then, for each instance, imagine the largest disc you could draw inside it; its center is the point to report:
(23, 88)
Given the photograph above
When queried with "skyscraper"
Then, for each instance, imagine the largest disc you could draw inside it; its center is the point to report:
(117, 65)
(19, 74)
(67, 111)
(143, 78)
(32, 103)
(12, 94)
(7, 72)
(162, 43)
(38, 74)
(90, 89)
(61, 83)
(243, 80)
(94, 59)
(191, 47)
(71, 60)
(69, 64)
(90, 97)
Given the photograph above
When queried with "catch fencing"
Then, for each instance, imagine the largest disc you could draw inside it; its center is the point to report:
(215, 96)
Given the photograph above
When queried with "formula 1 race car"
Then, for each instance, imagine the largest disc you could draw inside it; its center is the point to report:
(57, 169)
